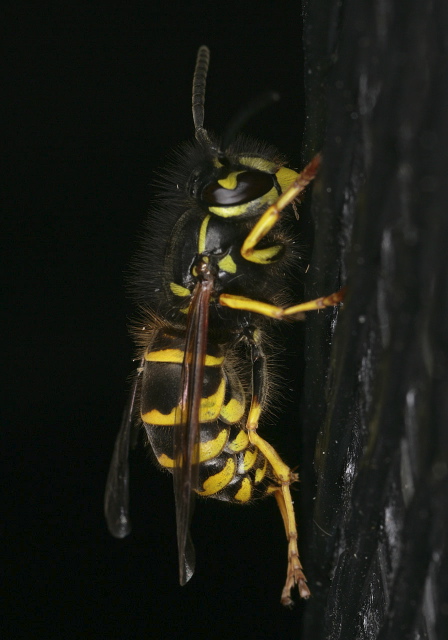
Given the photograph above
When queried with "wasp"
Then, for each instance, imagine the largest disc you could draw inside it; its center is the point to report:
(211, 283)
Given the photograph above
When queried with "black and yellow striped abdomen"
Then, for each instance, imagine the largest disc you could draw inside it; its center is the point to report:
(230, 468)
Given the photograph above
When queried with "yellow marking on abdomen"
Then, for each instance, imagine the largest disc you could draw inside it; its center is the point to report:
(166, 461)
(232, 412)
(176, 356)
(210, 409)
(220, 480)
(212, 448)
(160, 419)
(211, 406)
(245, 492)
(240, 442)
(165, 355)
(249, 460)
(261, 472)
(207, 450)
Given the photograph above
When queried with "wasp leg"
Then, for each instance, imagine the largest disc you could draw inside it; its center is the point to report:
(272, 311)
(283, 474)
(273, 213)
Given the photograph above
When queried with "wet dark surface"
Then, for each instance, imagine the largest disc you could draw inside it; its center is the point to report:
(380, 426)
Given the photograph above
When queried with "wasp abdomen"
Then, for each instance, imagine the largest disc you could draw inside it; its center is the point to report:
(230, 468)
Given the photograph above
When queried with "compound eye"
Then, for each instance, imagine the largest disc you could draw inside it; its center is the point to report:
(237, 188)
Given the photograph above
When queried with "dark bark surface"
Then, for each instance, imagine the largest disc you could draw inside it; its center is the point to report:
(377, 85)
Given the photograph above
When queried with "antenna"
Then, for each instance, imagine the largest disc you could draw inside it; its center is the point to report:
(198, 97)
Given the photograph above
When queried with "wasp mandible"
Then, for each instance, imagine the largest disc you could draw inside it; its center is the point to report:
(210, 280)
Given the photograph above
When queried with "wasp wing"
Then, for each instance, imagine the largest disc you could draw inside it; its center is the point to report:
(187, 432)
(116, 497)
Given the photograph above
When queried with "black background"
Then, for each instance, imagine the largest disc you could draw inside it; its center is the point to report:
(99, 95)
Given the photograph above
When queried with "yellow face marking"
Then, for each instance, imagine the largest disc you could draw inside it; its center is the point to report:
(231, 181)
(261, 472)
(258, 163)
(272, 214)
(286, 177)
(245, 492)
(240, 209)
(240, 442)
(232, 412)
(264, 256)
(227, 264)
(211, 406)
(203, 236)
(178, 290)
(249, 459)
(217, 163)
(220, 480)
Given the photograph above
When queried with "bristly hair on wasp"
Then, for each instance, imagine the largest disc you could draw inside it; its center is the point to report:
(211, 283)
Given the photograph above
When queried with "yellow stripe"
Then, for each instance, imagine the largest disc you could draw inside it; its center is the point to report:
(209, 410)
(177, 356)
(211, 406)
(249, 459)
(165, 355)
(160, 419)
(240, 442)
(286, 177)
(219, 480)
(231, 181)
(165, 461)
(232, 411)
(178, 290)
(261, 472)
(203, 234)
(207, 450)
(245, 492)
(227, 264)
(212, 448)
(240, 209)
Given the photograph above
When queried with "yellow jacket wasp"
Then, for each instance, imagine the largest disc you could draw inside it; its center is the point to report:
(211, 283)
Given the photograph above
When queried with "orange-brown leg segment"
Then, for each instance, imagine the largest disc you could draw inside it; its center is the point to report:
(283, 474)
